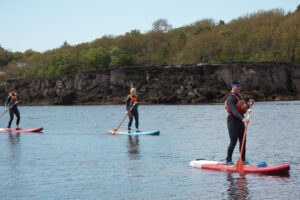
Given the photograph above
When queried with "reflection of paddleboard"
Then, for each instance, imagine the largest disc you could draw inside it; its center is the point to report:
(120, 132)
(220, 166)
(4, 130)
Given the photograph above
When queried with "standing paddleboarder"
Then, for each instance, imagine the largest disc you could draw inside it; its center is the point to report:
(132, 103)
(236, 107)
(11, 103)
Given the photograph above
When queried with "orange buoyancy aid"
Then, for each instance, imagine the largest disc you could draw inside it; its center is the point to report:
(241, 105)
(13, 97)
(133, 99)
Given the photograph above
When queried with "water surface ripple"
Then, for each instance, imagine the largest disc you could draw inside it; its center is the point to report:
(75, 158)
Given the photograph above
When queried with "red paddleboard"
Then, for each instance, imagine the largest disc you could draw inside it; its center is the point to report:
(4, 130)
(220, 166)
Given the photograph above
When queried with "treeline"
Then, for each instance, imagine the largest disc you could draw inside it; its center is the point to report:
(258, 37)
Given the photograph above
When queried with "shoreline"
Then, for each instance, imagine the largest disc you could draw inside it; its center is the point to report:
(145, 104)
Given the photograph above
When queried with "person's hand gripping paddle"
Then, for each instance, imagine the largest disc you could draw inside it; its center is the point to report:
(115, 130)
(240, 164)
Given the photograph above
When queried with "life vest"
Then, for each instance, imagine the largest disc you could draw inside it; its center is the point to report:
(241, 105)
(13, 97)
(133, 99)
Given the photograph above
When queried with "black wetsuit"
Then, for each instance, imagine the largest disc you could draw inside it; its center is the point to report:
(134, 111)
(235, 126)
(14, 110)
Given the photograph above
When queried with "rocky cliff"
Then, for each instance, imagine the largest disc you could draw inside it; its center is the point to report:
(198, 83)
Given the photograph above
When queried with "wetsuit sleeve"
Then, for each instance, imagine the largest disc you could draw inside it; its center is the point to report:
(128, 104)
(138, 102)
(7, 101)
(247, 102)
(18, 98)
(231, 102)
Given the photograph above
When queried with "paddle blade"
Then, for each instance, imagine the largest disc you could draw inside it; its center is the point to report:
(112, 132)
(240, 166)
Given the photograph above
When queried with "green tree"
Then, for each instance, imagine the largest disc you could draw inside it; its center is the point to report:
(118, 57)
(298, 8)
(161, 25)
(18, 55)
(97, 58)
(221, 22)
(65, 44)
(29, 52)
(5, 57)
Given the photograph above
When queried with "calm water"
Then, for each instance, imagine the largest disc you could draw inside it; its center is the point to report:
(75, 158)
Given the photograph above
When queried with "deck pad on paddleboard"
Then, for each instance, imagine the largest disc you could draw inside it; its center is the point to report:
(120, 132)
(4, 130)
(220, 166)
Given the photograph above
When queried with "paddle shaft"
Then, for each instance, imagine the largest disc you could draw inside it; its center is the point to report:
(114, 131)
(8, 109)
(240, 165)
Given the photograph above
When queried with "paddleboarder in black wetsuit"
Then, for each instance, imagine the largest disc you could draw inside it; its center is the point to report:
(236, 106)
(132, 103)
(12, 100)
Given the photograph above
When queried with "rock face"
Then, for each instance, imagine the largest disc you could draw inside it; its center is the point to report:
(198, 83)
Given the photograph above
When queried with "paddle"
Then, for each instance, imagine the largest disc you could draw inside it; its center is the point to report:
(240, 164)
(8, 109)
(115, 130)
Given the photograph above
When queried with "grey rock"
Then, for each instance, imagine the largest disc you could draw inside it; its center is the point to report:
(191, 83)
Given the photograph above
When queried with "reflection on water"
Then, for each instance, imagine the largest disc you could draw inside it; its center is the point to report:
(14, 147)
(237, 187)
(133, 146)
(14, 144)
(281, 176)
(284, 176)
(14, 139)
(14, 159)
(238, 184)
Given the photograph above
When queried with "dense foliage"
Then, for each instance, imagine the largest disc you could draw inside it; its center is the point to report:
(258, 37)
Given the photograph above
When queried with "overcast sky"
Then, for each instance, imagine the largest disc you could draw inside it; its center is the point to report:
(45, 24)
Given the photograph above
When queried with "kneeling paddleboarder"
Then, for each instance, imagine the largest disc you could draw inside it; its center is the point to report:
(236, 107)
(11, 103)
(132, 103)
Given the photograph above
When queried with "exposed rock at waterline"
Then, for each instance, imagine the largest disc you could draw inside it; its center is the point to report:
(180, 84)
